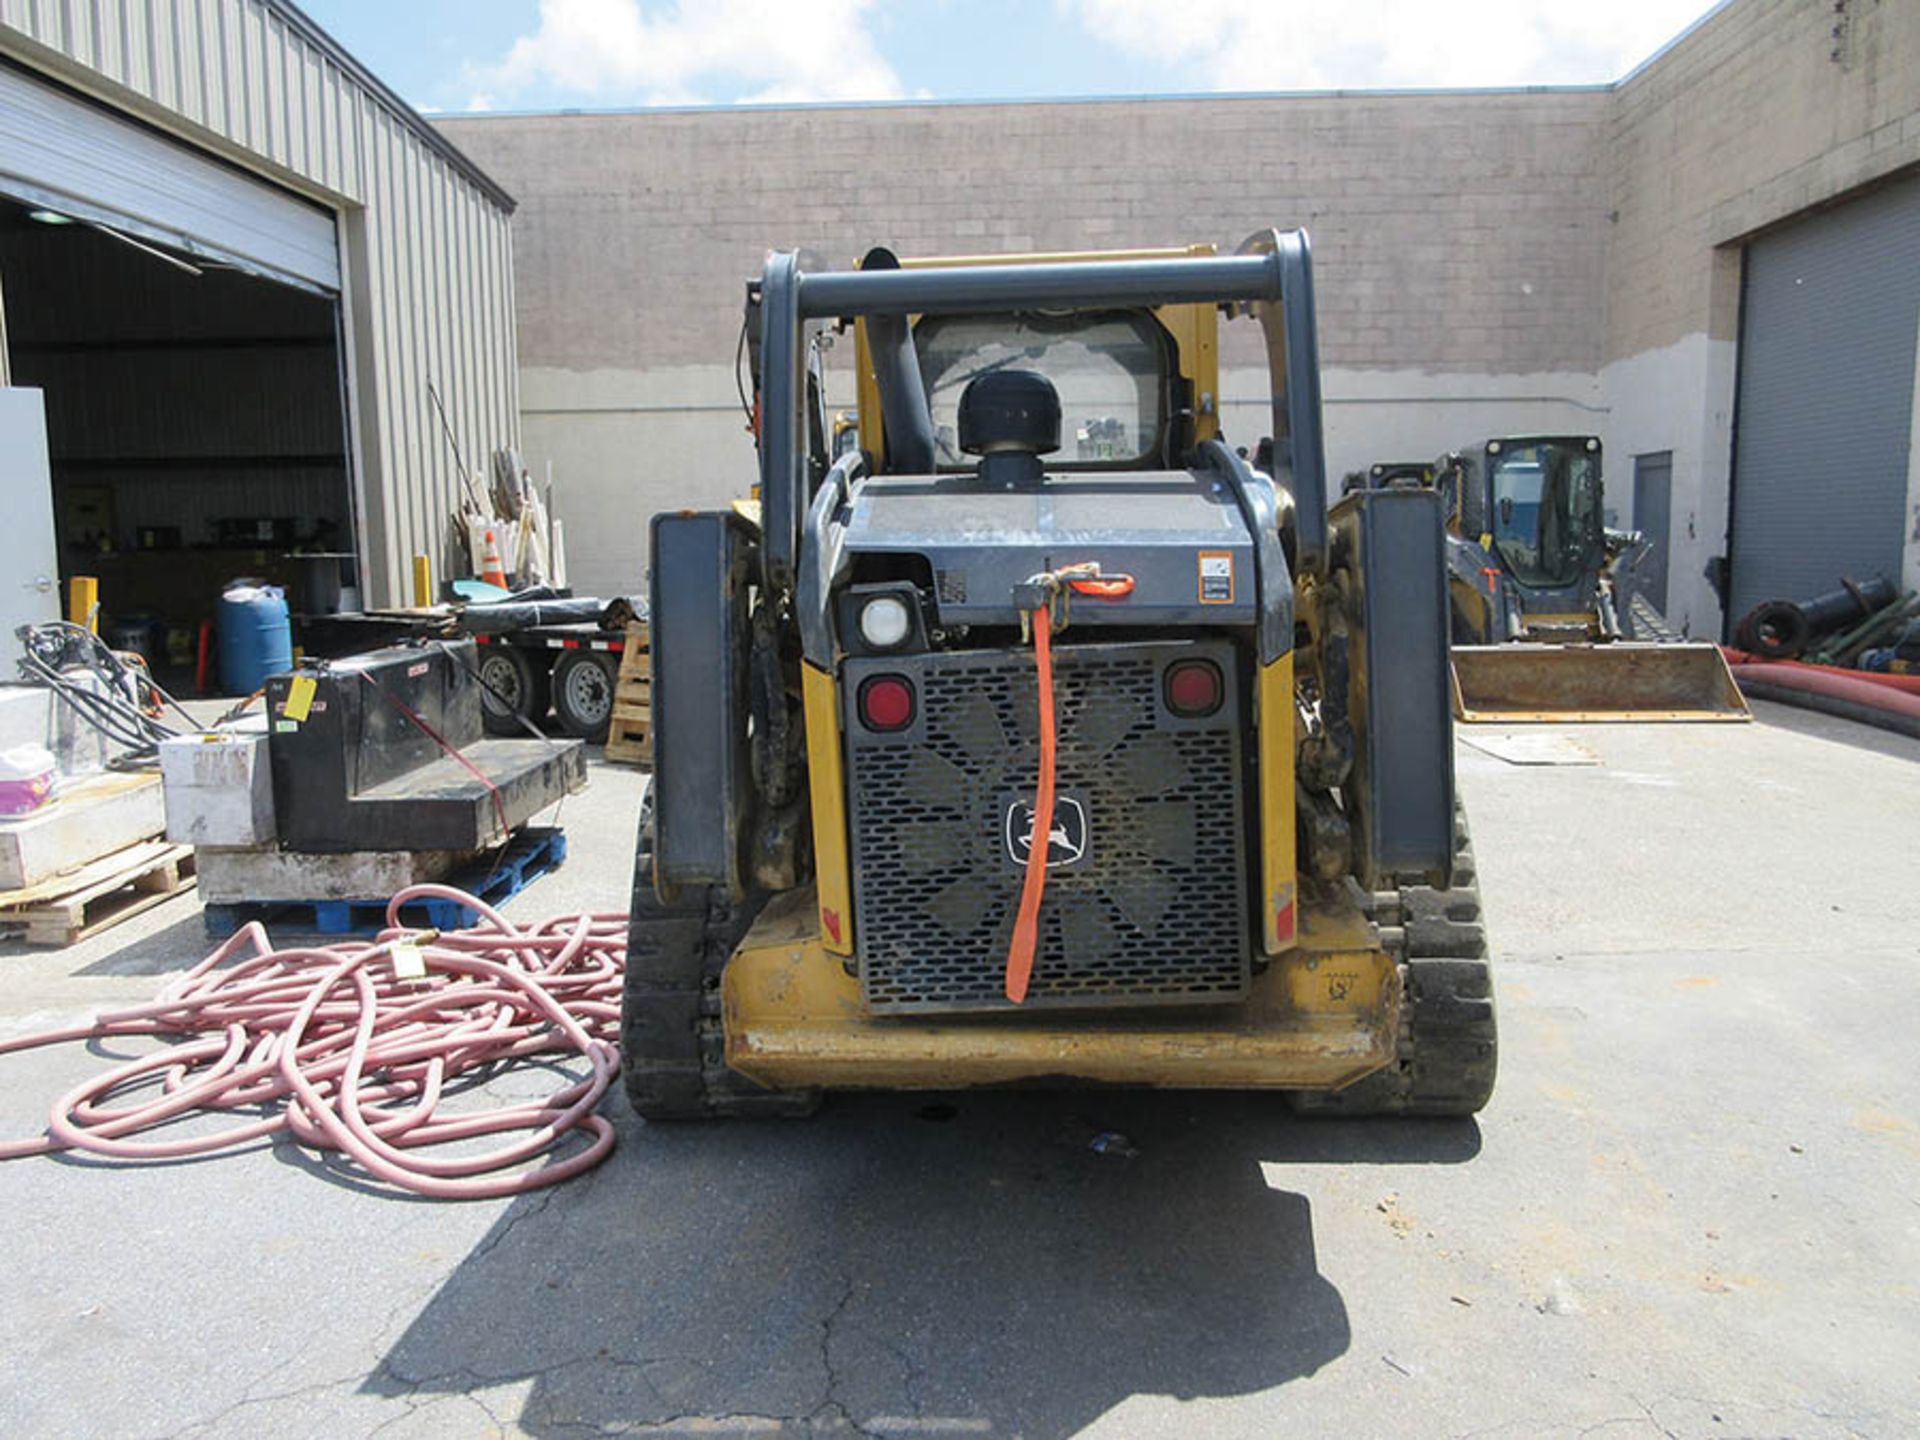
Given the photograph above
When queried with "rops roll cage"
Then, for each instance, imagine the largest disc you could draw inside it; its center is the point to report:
(1272, 273)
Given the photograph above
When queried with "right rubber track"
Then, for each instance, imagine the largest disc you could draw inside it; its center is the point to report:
(1448, 1053)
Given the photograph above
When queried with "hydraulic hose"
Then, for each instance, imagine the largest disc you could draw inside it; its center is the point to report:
(1888, 702)
(358, 1047)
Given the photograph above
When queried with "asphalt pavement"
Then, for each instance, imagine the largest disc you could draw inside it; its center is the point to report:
(1692, 1209)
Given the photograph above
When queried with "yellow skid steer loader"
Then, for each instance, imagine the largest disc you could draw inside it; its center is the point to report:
(1041, 738)
(1546, 623)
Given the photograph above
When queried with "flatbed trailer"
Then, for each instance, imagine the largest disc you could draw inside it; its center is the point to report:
(569, 669)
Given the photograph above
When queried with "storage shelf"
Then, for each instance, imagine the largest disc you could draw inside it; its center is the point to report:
(192, 464)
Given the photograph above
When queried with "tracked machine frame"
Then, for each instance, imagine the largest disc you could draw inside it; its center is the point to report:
(1042, 737)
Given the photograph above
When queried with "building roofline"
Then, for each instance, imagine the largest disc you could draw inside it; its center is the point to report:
(1429, 93)
(1657, 56)
(417, 123)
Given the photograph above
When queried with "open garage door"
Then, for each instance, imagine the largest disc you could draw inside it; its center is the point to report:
(1827, 340)
(180, 321)
(62, 153)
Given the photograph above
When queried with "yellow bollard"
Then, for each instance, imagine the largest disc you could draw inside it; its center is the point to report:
(83, 601)
(422, 581)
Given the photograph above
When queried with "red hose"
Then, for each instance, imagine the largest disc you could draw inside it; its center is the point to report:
(1758, 666)
(332, 1045)
(1835, 685)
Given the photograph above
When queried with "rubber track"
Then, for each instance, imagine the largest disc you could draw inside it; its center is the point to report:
(1448, 1052)
(1648, 623)
(672, 1034)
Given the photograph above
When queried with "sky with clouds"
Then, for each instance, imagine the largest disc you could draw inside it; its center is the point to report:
(596, 54)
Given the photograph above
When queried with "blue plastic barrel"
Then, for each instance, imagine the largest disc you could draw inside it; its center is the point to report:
(256, 636)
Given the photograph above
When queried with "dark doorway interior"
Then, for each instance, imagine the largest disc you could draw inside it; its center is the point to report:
(1653, 518)
(195, 422)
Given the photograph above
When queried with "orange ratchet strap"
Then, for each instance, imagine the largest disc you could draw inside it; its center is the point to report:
(1083, 579)
(1026, 926)
(1102, 587)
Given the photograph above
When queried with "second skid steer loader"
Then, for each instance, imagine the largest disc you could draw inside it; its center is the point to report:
(1546, 623)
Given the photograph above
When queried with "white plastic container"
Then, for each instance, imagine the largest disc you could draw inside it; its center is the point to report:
(26, 779)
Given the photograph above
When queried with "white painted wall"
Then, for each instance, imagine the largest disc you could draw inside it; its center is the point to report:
(1374, 415)
(624, 444)
(1910, 555)
(1677, 398)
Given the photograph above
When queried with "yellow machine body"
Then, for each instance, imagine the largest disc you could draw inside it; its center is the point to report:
(1323, 1016)
(1570, 666)
(1347, 924)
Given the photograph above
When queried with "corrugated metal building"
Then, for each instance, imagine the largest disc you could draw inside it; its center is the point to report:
(251, 264)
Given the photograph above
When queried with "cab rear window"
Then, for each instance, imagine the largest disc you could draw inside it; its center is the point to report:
(1110, 371)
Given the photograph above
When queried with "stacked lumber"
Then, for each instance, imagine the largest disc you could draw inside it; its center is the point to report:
(630, 733)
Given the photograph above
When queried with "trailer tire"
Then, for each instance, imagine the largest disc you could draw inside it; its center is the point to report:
(514, 689)
(583, 688)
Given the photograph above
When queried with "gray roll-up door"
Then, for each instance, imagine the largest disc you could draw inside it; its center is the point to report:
(1827, 341)
(65, 154)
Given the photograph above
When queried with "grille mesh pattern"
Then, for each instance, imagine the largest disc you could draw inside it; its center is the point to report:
(1154, 913)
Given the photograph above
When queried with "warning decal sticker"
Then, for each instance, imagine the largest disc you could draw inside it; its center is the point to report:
(1216, 577)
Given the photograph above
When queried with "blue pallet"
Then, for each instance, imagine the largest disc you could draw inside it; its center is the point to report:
(529, 855)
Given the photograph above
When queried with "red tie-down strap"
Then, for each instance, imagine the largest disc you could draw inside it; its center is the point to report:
(493, 790)
(1083, 579)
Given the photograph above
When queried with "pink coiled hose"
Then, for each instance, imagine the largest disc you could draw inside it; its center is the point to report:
(342, 1050)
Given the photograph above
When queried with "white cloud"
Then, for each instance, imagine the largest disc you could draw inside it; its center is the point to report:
(1313, 44)
(664, 52)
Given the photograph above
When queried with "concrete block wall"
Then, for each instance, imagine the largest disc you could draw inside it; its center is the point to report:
(1459, 244)
(1488, 262)
(1765, 109)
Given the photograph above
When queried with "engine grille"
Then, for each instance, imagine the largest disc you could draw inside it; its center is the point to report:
(1153, 912)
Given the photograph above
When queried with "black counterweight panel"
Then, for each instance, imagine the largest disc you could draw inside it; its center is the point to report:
(1401, 792)
(1147, 896)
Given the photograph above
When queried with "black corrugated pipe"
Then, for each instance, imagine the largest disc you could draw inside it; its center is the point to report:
(1781, 629)
(904, 412)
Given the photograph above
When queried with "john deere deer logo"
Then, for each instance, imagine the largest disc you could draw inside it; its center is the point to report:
(1066, 842)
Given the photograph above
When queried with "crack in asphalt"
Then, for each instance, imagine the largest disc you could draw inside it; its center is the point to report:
(910, 1383)
(512, 1223)
(318, 1387)
(831, 1400)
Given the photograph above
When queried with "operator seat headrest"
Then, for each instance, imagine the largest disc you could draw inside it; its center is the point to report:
(1010, 410)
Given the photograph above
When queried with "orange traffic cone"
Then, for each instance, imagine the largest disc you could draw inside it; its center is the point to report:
(492, 570)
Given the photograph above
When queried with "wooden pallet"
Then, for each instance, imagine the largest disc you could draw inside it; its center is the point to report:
(115, 888)
(630, 733)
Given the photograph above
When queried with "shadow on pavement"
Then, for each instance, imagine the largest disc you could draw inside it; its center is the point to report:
(1840, 731)
(904, 1265)
(178, 946)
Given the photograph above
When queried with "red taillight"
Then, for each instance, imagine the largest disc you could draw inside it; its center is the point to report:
(886, 703)
(1193, 688)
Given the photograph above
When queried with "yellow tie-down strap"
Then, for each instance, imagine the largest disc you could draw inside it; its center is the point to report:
(826, 773)
(1279, 913)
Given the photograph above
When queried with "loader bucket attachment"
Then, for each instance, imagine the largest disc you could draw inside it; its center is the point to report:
(1522, 683)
